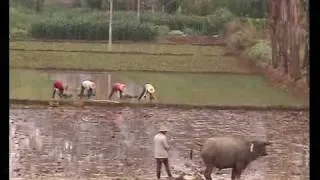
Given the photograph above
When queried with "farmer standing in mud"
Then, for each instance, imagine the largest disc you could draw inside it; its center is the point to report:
(89, 86)
(161, 149)
(148, 89)
(60, 87)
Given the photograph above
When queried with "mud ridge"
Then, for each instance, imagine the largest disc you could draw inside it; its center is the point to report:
(119, 52)
(158, 105)
(165, 42)
(103, 52)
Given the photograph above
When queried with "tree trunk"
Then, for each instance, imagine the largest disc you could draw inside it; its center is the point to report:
(284, 36)
(274, 47)
(294, 70)
(295, 54)
(274, 33)
(285, 49)
(306, 50)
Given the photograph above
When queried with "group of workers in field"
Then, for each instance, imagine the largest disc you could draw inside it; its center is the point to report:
(89, 87)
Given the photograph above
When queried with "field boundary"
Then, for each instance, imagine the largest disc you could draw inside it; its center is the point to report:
(103, 52)
(118, 52)
(161, 42)
(106, 70)
(158, 105)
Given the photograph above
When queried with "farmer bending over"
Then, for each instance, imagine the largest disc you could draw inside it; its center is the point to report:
(117, 87)
(89, 86)
(148, 89)
(58, 86)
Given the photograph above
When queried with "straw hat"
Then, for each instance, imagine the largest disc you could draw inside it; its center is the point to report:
(163, 128)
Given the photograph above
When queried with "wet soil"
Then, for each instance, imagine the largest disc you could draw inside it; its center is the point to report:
(96, 142)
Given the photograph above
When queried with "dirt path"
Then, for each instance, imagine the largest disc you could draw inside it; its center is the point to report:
(98, 142)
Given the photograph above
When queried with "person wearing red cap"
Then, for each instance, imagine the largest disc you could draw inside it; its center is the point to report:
(117, 87)
(89, 86)
(60, 87)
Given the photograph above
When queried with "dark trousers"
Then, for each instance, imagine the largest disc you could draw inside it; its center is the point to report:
(164, 161)
(143, 94)
(114, 91)
(60, 93)
(89, 92)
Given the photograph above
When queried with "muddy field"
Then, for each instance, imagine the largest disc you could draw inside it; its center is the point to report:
(96, 142)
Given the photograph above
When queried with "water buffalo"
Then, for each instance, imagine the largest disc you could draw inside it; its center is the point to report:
(230, 152)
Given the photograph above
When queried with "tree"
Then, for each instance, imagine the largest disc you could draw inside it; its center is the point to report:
(305, 62)
(274, 15)
(285, 36)
(294, 46)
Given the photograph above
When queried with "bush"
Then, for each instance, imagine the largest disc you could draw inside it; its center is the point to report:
(162, 30)
(19, 21)
(82, 29)
(189, 31)
(240, 40)
(218, 20)
(83, 23)
(261, 51)
(176, 22)
(18, 33)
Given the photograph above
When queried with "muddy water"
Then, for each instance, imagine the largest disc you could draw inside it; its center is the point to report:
(99, 142)
(74, 79)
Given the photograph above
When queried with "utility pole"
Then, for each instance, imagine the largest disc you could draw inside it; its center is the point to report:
(110, 26)
(152, 6)
(138, 10)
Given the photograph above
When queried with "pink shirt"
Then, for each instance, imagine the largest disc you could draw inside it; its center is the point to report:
(118, 86)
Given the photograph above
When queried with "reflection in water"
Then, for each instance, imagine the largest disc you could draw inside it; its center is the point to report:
(114, 141)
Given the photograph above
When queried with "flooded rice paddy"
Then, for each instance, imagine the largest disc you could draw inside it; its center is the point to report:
(73, 143)
(177, 88)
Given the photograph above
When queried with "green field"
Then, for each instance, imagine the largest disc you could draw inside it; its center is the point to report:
(96, 61)
(181, 88)
(29, 84)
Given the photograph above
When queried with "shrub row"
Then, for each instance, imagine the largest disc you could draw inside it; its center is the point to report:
(93, 25)
(80, 30)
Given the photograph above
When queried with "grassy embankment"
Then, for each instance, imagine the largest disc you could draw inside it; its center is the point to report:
(100, 61)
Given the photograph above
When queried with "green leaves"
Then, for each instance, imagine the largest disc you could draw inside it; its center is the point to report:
(218, 20)
(84, 29)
